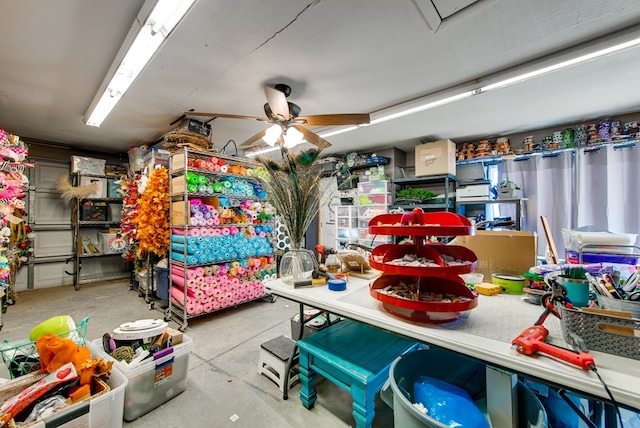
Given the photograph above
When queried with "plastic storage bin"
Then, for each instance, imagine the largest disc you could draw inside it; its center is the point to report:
(152, 382)
(460, 371)
(104, 411)
(374, 187)
(161, 278)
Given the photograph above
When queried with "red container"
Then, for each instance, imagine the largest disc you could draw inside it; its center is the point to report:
(421, 310)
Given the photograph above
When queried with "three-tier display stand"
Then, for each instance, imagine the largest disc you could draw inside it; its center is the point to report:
(221, 236)
(420, 281)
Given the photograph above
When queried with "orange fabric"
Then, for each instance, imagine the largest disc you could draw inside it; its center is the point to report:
(55, 352)
(80, 392)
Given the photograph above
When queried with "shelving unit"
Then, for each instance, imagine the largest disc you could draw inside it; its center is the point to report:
(94, 223)
(489, 160)
(346, 225)
(222, 245)
(446, 182)
(434, 271)
(374, 198)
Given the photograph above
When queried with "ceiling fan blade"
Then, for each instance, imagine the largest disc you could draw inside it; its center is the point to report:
(313, 138)
(226, 116)
(334, 119)
(253, 139)
(277, 102)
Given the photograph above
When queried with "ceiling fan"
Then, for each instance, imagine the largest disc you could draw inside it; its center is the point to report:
(287, 123)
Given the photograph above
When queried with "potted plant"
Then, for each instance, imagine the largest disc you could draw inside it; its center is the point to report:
(574, 280)
(508, 189)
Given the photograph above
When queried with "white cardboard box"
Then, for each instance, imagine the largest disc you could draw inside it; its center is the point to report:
(435, 158)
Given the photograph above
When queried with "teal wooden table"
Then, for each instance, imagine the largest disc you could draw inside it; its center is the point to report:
(354, 356)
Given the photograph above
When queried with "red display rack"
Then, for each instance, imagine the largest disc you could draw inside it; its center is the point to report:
(426, 284)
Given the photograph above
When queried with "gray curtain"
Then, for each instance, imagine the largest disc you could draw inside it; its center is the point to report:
(547, 183)
(575, 189)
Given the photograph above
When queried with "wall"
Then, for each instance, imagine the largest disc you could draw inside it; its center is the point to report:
(50, 219)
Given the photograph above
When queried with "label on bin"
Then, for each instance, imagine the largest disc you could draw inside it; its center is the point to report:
(163, 373)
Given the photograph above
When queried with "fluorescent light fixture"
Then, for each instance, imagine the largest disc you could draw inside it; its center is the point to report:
(423, 107)
(148, 32)
(562, 64)
(262, 151)
(432, 101)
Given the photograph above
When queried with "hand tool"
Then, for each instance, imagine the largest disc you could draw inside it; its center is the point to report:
(533, 339)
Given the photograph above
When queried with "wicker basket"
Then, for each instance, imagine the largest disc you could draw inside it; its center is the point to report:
(604, 333)
(99, 388)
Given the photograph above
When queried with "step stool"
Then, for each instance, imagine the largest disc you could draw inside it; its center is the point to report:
(354, 356)
(274, 355)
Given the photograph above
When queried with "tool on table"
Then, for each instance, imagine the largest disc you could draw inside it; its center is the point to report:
(533, 339)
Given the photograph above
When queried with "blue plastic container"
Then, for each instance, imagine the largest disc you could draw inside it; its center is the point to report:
(457, 370)
(162, 282)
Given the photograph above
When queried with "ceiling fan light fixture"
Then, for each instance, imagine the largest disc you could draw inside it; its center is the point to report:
(272, 134)
(292, 137)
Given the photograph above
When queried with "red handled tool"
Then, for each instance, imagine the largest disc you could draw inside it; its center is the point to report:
(533, 339)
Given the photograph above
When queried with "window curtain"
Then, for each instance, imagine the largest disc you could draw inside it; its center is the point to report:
(608, 189)
(547, 183)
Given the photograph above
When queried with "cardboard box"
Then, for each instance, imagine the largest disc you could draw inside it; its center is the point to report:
(435, 158)
(509, 252)
(102, 186)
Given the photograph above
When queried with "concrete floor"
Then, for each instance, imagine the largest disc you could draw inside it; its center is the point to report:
(223, 383)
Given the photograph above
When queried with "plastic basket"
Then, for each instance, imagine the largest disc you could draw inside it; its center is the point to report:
(604, 333)
(21, 357)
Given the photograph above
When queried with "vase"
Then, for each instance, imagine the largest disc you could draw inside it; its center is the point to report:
(296, 266)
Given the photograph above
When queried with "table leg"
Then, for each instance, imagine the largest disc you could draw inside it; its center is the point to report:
(287, 369)
(363, 405)
(308, 377)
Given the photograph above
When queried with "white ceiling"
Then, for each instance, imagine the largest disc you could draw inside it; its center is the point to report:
(339, 56)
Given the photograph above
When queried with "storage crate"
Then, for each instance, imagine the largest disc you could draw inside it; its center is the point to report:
(101, 184)
(604, 333)
(21, 358)
(115, 212)
(86, 165)
(153, 381)
(155, 156)
(102, 410)
(136, 156)
(374, 187)
(113, 188)
(110, 243)
(374, 199)
(93, 212)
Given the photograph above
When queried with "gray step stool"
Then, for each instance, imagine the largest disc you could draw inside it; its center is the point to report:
(274, 355)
